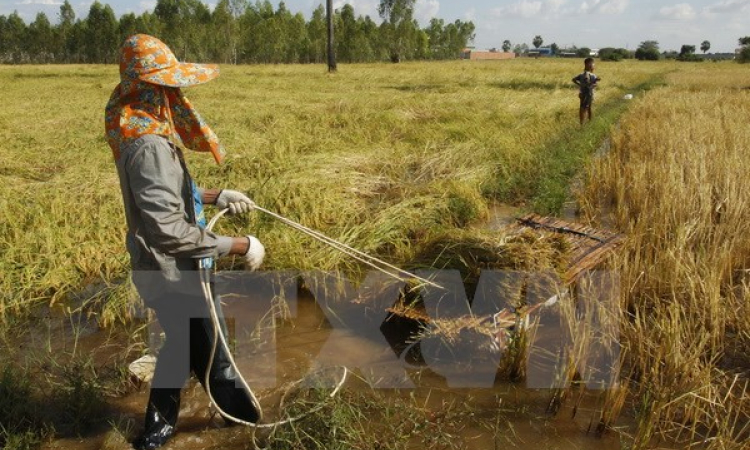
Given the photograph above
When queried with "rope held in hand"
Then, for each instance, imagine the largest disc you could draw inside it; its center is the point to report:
(205, 278)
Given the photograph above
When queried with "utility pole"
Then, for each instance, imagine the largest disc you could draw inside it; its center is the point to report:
(331, 53)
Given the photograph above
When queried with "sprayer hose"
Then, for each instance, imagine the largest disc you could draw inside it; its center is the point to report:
(205, 275)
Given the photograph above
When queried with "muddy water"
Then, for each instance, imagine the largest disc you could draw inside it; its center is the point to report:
(500, 216)
(277, 342)
(57, 334)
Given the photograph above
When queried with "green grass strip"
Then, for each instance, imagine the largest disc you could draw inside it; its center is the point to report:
(546, 184)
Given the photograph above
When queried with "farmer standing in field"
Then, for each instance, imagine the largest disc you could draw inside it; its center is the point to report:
(586, 81)
(166, 236)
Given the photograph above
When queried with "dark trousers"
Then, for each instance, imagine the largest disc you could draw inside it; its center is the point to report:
(189, 338)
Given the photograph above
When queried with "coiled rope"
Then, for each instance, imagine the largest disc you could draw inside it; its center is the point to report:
(205, 281)
(205, 278)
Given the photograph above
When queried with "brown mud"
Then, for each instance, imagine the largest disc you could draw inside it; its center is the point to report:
(504, 414)
(279, 342)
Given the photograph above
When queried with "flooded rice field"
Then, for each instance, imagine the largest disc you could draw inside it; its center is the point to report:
(283, 329)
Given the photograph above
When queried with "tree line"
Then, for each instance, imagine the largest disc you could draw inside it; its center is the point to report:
(649, 51)
(235, 31)
(646, 51)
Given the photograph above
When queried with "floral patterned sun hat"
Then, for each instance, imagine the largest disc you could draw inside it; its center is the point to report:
(149, 100)
(148, 59)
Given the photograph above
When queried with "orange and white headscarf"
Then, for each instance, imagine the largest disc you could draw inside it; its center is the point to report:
(148, 99)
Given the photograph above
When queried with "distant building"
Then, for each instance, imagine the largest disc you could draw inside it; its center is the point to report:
(720, 56)
(537, 52)
(478, 55)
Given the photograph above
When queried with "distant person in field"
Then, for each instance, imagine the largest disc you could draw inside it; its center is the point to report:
(586, 81)
(146, 117)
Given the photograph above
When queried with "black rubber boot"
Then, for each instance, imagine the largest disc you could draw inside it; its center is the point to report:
(227, 392)
(161, 418)
(234, 401)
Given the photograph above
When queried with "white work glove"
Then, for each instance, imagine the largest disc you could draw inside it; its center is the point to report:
(237, 202)
(255, 253)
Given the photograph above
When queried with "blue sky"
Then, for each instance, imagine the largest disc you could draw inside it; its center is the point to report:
(584, 23)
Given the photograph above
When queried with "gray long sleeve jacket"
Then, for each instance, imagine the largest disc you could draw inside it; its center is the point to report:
(163, 239)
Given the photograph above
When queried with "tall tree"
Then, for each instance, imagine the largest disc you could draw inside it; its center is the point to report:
(3, 37)
(234, 31)
(744, 54)
(372, 44)
(284, 46)
(40, 40)
(237, 7)
(298, 39)
(398, 17)
(102, 34)
(457, 36)
(347, 33)
(538, 41)
(435, 36)
(13, 39)
(507, 46)
(687, 53)
(169, 14)
(184, 26)
(687, 50)
(148, 23)
(76, 44)
(225, 34)
(648, 50)
(364, 49)
(705, 46)
(65, 43)
(128, 26)
(520, 49)
(420, 44)
(66, 16)
(256, 32)
(318, 35)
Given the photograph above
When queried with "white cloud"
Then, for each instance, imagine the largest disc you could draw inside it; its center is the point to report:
(737, 25)
(680, 11)
(525, 9)
(528, 9)
(147, 5)
(40, 2)
(729, 6)
(555, 5)
(424, 10)
(604, 6)
(471, 14)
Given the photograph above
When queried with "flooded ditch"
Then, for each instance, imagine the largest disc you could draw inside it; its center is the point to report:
(282, 331)
(284, 326)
